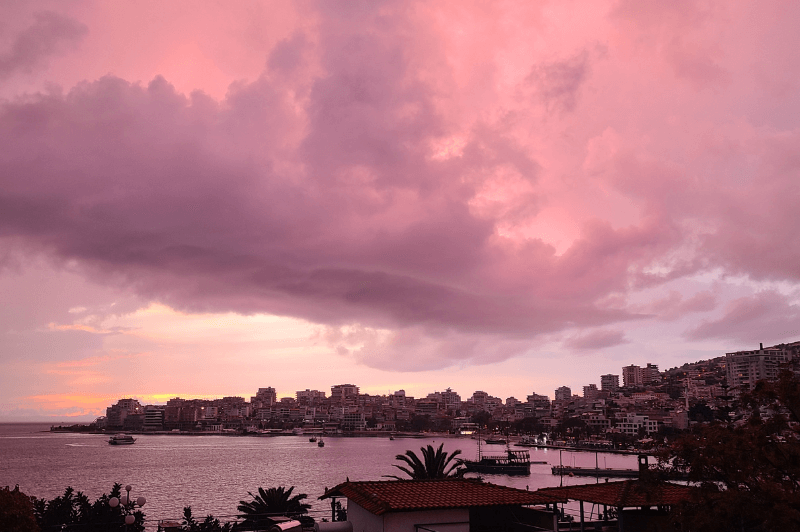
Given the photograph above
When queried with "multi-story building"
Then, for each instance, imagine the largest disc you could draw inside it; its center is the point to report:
(564, 393)
(479, 399)
(590, 392)
(398, 399)
(609, 382)
(650, 374)
(512, 402)
(153, 417)
(310, 397)
(539, 401)
(745, 368)
(428, 407)
(632, 376)
(632, 423)
(452, 401)
(265, 397)
(116, 414)
(343, 393)
(354, 421)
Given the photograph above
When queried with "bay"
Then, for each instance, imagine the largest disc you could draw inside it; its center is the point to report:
(213, 473)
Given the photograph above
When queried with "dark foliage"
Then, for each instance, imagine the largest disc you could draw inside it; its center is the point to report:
(270, 503)
(748, 473)
(74, 508)
(209, 524)
(16, 511)
(434, 464)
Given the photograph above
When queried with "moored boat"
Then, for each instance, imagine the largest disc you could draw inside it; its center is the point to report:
(510, 463)
(121, 439)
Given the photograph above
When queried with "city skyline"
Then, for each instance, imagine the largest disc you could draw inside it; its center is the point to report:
(510, 197)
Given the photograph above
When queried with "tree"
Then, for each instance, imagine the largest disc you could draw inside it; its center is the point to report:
(434, 464)
(209, 524)
(16, 511)
(271, 502)
(74, 508)
(748, 472)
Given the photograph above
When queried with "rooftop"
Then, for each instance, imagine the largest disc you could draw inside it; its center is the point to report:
(624, 494)
(379, 497)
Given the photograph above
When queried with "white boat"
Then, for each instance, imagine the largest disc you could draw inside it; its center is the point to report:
(121, 439)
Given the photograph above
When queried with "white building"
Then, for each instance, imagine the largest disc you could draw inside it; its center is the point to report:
(745, 368)
(633, 422)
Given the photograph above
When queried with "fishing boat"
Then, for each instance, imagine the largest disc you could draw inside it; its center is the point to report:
(121, 439)
(509, 463)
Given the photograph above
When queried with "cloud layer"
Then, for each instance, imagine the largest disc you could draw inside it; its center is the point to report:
(468, 179)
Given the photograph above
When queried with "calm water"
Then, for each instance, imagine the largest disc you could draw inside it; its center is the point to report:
(213, 473)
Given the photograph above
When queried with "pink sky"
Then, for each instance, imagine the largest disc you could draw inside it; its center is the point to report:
(204, 199)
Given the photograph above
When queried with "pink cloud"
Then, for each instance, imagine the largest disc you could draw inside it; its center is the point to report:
(440, 172)
(49, 35)
(596, 339)
(766, 316)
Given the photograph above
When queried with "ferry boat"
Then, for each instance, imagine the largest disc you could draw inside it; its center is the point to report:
(121, 439)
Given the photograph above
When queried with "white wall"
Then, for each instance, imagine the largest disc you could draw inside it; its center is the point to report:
(364, 521)
(405, 521)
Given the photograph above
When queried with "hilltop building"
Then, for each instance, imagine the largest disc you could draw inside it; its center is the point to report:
(609, 382)
(745, 368)
(564, 393)
(632, 376)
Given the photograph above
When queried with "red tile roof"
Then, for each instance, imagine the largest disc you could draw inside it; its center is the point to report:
(380, 497)
(625, 493)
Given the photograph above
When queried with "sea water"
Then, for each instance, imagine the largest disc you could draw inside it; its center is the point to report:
(213, 473)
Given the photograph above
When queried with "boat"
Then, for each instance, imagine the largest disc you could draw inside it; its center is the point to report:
(526, 441)
(495, 441)
(121, 439)
(510, 463)
(312, 439)
(320, 442)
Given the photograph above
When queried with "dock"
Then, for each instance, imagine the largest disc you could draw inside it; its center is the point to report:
(595, 472)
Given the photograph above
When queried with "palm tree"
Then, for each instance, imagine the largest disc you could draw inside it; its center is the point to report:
(267, 503)
(434, 464)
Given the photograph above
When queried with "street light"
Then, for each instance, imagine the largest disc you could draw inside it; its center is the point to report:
(128, 504)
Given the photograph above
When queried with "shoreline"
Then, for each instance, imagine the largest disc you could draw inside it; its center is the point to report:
(357, 434)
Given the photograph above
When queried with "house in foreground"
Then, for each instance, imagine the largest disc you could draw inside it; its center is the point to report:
(446, 505)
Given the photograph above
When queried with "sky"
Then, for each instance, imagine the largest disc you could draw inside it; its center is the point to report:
(199, 200)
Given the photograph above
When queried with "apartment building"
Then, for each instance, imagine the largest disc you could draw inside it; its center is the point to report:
(609, 382)
(745, 368)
